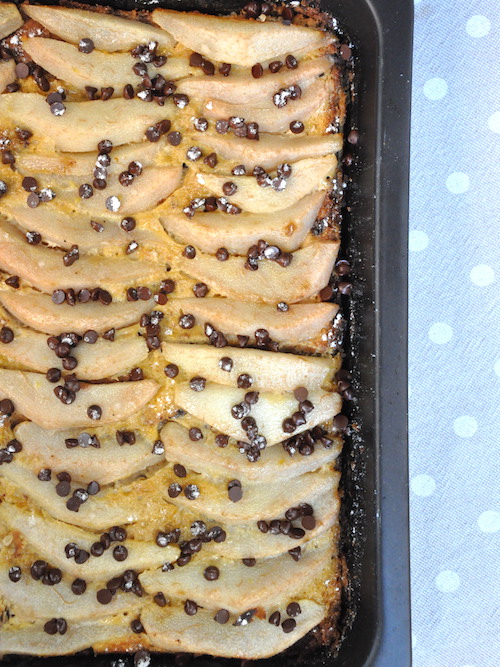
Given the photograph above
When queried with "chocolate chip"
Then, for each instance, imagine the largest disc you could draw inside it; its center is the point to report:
(6, 407)
(211, 573)
(79, 586)
(45, 475)
(275, 618)
(257, 71)
(190, 607)
(197, 383)
(12, 281)
(104, 596)
(174, 490)
(208, 67)
(22, 70)
(15, 573)
(263, 526)
(94, 412)
(128, 92)
(308, 522)
(86, 45)
(160, 600)
(244, 381)
(136, 626)
(187, 321)
(120, 552)
(293, 609)
(97, 549)
(211, 161)
(221, 440)
(353, 137)
(180, 100)
(38, 569)
(63, 489)
(222, 126)
(195, 434)
(289, 625)
(93, 488)
(8, 157)
(275, 66)
(191, 492)
(291, 62)
(229, 188)
(222, 616)
(6, 335)
(33, 200)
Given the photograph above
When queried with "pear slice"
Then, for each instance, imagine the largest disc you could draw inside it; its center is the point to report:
(270, 118)
(38, 311)
(236, 41)
(259, 500)
(238, 588)
(108, 32)
(271, 283)
(98, 513)
(307, 175)
(153, 186)
(302, 321)
(35, 528)
(96, 69)
(210, 231)
(34, 398)
(213, 406)
(241, 87)
(271, 150)
(274, 465)
(31, 600)
(172, 630)
(270, 371)
(31, 639)
(82, 164)
(43, 267)
(10, 19)
(62, 228)
(245, 540)
(7, 73)
(106, 464)
(95, 362)
(83, 124)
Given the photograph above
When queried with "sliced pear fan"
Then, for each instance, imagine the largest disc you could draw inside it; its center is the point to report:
(239, 88)
(83, 124)
(270, 118)
(173, 630)
(259, 501)
(7, 74)
(307, 175)
(32, 600)
(213, 406)
(10, 19)
(271, 283)
(107, 31)
(210, 231)
(236, 41)
(43, 267)
(98, 513)
(82, 164)
(97, 69)
(64, 229)
(34, 398)
(270, 371)
(95, 362)
(271, 150)
(38, 311)
(245, 540)
(31, 639)
(106, 464)
(274, 465)
(239, 587)
(35, 528)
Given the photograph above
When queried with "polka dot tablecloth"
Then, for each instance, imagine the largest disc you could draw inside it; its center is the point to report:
(454, 358)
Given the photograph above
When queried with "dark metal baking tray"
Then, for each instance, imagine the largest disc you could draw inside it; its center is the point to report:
(376, 603)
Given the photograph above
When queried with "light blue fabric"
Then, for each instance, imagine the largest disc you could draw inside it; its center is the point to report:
(454, 359)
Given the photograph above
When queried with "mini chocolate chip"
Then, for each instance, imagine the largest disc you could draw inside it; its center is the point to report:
(13, 281)
(190, 607)
(275, 618)
(160, 600)
(197, 383)
(353, 137)
(86, 45)
(308, 522)
(187, 321)
(94, 412)
(85, 191)
(104, 596)
(257, 71)
(93, 488)
(244, 381)
(33, 200)
(191, 491)
(174, 490)
(6, 335)
(180, 100)
(263, 526)
(293, 609)
(195, 434)
(229, 188)
(136, 626)
(289, 625)
(120, 552)
(222, 616)
(79, 586)
(222, 126)
(211, 573)
(63, 489)
(275, 66)
(221, 440)
(171, 370)
(15, 573)
(128, 92)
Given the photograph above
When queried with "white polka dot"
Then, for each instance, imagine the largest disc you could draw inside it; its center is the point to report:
(458, 182)
(447, 581)
(482, 275)
(465, 426)
(435, 89)
(418, 240)
(423, 485)
(489, 521)
(440, 333)
(494, 122)
(497, 367)
(478, 26)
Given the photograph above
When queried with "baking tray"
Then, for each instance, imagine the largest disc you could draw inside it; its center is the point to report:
(375, 614)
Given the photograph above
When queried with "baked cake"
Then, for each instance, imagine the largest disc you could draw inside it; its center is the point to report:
(168, 372)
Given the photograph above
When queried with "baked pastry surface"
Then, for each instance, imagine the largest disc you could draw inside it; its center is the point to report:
(168, 385)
